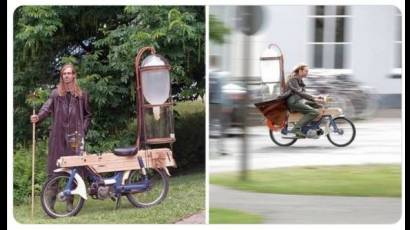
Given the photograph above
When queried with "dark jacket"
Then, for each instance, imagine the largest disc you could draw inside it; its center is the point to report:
(68, 116)
(296, 87)
(276, 110)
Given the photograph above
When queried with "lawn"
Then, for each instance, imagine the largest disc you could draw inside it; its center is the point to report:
(358, 180)
(228, 216)
(186, 196)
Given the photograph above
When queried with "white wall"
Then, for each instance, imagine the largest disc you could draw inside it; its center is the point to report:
(284, 25)
(372, 55)
(288, 27)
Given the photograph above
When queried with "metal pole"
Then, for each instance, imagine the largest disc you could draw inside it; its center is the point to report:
(32, 165)
(244, 109)
(251, 18)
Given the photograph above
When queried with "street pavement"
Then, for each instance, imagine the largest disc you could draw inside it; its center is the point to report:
(296, 209)
(377, 141)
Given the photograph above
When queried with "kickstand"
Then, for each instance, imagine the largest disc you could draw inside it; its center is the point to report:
(118, 202)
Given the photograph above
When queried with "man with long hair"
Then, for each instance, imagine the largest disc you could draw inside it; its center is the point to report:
(300, 101)
(69, 107)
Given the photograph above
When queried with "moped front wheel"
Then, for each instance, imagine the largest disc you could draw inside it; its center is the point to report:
(341, 132)
(154, 194)
(53, 200)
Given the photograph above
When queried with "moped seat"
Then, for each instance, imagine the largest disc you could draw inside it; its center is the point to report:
(127, 151)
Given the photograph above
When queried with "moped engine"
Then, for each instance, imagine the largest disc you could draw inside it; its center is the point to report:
(100, 191)
(105, 192)
(314, 133)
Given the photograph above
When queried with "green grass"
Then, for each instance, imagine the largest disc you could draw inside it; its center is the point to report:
(363, 180)
(186, 196)
(228, 216)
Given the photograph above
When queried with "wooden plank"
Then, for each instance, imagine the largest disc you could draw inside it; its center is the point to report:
(334, 112)
(294, 117)
(108, 162)
(122, 166)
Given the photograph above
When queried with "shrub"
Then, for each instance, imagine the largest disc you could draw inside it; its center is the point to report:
(22, 171)
(189, 148)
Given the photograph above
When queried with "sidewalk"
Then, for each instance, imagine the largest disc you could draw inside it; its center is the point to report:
(377, 141)
(198, 218)
(309, 209)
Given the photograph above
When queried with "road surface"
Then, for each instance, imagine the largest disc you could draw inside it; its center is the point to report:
(377, 141)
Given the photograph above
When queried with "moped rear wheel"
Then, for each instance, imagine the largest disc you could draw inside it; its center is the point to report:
(342, 133)
(277, 138)
(55, 203)
(156, 192)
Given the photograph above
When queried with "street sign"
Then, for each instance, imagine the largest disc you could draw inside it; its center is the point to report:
(250, 19)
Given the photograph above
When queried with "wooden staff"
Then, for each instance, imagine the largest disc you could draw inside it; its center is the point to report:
(32, 166)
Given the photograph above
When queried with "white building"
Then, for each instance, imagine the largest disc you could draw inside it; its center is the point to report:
(363, 39)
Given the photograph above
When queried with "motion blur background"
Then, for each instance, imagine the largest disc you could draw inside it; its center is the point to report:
(354, 54)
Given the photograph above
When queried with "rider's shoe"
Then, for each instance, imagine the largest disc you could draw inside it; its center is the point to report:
(290, 135)
(295, 133)
(299, 134)
(70, 206)
(50, 197)
(51, 202)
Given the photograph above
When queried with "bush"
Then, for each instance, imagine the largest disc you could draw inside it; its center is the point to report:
(22, 171)
(189, 148)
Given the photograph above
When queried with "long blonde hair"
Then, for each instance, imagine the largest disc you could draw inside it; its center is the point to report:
(296, 69)
(61, 88)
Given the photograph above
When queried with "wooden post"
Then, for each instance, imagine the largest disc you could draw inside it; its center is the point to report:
(32, 166)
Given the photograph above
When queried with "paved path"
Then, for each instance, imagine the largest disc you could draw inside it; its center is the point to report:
(377, 141)
(198, 218)
(297, 209)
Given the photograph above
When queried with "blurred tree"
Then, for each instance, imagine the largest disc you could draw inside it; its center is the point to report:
(217, 30)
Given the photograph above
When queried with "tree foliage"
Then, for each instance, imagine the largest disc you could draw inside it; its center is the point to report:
(102, 42)
(217, 30)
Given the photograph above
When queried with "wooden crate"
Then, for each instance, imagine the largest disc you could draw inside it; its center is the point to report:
(108, 162)
(334, 112)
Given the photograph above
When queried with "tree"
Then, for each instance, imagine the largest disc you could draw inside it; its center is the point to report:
(217, 30)
(103, 41)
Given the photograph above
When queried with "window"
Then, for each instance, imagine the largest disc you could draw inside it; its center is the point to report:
(329, 41)
(398, 42)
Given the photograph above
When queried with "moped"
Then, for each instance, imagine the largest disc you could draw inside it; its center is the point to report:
(331, 122)
(339, 130)
(139, 172)
(78, 176)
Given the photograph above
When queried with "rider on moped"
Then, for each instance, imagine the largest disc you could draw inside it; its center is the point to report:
(300, 101)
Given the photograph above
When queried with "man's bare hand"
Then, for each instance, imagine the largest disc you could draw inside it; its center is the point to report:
(34, 118)
(320, 100)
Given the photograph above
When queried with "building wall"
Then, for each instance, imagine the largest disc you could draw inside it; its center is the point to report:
(370, 51)
(373, 55)
(283, 25)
